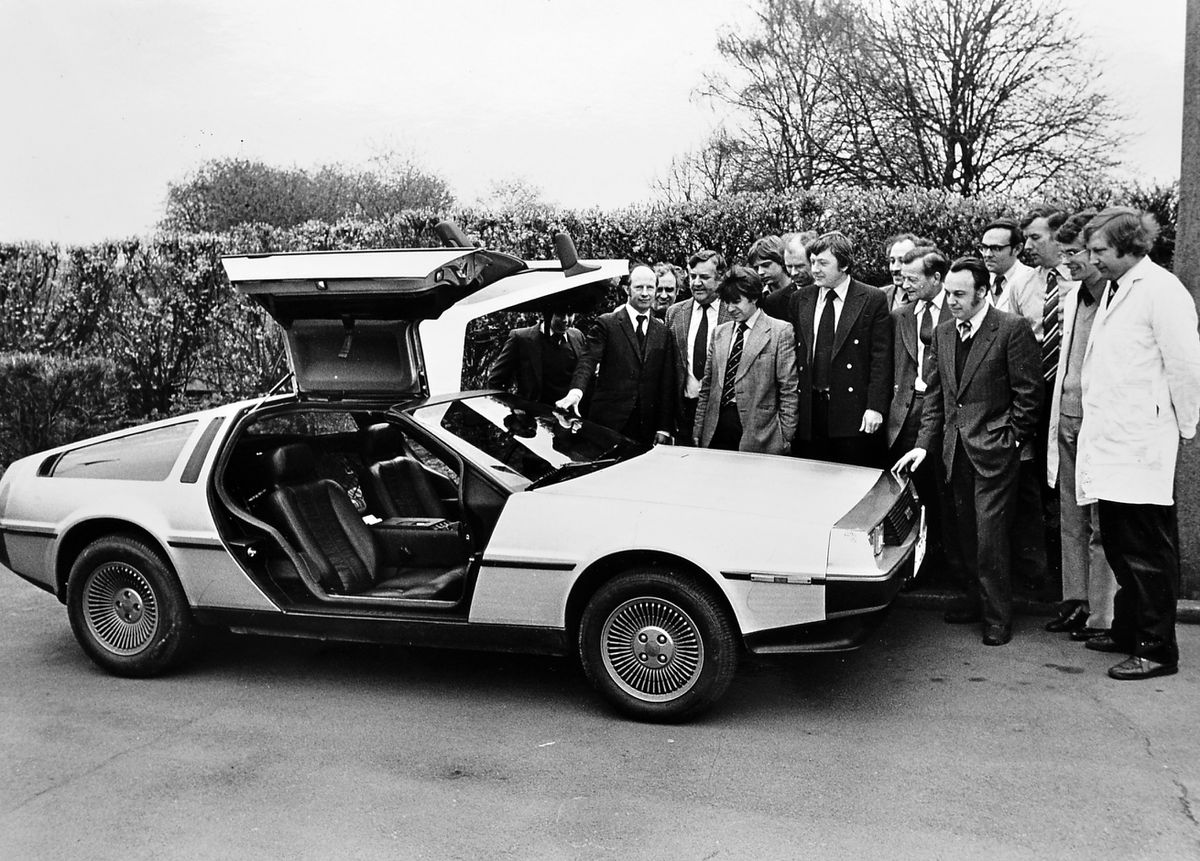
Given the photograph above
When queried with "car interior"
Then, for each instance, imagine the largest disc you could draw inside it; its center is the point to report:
(340, 506)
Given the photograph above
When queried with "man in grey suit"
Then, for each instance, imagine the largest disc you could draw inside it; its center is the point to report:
(539, 360)
(923, 273)
(692, 323)
(748, 400)
(985, 388)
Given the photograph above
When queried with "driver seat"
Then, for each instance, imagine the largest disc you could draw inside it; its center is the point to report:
(343, 554)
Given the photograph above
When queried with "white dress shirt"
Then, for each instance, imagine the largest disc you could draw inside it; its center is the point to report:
(839, 302)
(935, 306)
(691, 386)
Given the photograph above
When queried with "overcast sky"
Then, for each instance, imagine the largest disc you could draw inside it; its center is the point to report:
(106, 101)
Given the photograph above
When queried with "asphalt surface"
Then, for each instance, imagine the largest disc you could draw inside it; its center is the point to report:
(923, 744)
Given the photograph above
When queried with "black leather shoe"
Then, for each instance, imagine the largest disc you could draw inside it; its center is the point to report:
(960, 615)
(997, 635)
(1105, 643)
(1085, 634)
(1072, 620)
(1134, 668)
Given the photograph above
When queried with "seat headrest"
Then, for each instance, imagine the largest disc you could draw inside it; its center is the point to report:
(293, 464)
(383, 442)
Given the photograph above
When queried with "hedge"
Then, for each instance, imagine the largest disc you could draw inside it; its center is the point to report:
(161, 312)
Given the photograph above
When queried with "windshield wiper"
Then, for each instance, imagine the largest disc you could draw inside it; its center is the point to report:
(570, 469)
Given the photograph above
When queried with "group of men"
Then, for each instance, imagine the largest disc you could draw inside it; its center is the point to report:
(1078, 374)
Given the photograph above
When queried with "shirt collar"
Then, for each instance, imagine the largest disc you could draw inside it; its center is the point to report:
(839, 290)
(753, 319)
(633, 315)
(696, 306)
(977, 319)
(935, 303)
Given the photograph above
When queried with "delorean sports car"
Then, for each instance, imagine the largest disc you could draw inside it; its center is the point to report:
(359, 506)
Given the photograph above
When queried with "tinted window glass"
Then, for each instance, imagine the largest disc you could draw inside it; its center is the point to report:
(145, 456)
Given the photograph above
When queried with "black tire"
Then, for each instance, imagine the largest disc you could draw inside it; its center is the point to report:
(657, 646)
(127, 609)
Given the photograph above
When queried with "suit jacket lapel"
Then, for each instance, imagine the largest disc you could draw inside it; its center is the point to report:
(806, 308)
(982, 343)
(680, 325)
(850, 311)
(908, 333)
(755, 342)
(947, 342)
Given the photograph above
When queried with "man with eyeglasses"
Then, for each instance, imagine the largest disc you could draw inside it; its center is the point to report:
(1088, 584)
(1001, 242)
(795, 264)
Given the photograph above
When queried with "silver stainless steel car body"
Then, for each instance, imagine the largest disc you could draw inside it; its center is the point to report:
(771, 554)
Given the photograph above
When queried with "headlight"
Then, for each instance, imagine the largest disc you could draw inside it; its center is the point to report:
(877, 539)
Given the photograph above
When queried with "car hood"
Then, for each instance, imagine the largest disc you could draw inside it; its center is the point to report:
(768, 487)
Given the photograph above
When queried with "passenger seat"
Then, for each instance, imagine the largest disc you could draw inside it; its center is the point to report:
(340, 550)
(398, 485)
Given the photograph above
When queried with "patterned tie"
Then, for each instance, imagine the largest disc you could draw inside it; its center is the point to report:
(700, 348)
(641, 333)
(823, 351)
(926, 340)
(1051, 331)
(728, 389)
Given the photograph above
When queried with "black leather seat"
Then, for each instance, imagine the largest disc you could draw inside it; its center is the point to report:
(344, 555)
(399, 485)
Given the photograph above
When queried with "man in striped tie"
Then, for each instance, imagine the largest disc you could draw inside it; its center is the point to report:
(1036, 540)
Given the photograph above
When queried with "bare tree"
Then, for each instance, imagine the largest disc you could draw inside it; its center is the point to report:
(968, 95)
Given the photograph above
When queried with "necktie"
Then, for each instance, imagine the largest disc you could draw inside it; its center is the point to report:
(962, 347)
(823, 351)
(641, 333)
(926, 334)
(1112, 291)
(700, 348)
(998, 286)
(1051, 331)
(728, 389)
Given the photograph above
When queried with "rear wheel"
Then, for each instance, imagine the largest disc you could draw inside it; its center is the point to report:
(127, 610)
(656, 646)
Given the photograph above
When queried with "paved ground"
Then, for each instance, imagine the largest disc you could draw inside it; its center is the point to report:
(924, 744)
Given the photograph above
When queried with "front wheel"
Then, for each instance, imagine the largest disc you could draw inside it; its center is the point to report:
(656, 646)
(127, 610)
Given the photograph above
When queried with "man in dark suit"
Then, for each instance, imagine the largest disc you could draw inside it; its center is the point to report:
(540, 360)
(843, 360)
(631, 357)
(923, 272)
(692, 322)
(748, 399)
(896, 247)
(795, 262)
(985, 388)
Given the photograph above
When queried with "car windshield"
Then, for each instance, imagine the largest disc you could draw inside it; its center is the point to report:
(525, 444)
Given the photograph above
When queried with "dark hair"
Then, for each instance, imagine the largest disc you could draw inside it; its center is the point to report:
(1054, 216)
(706, 254)
(1016, 237)
(932, 260)
(901, 237)
(741, 281)
(1073, 226)
(976, 267)
(1129, 231)
(836, 243)
(661, 269)
(766, 248)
